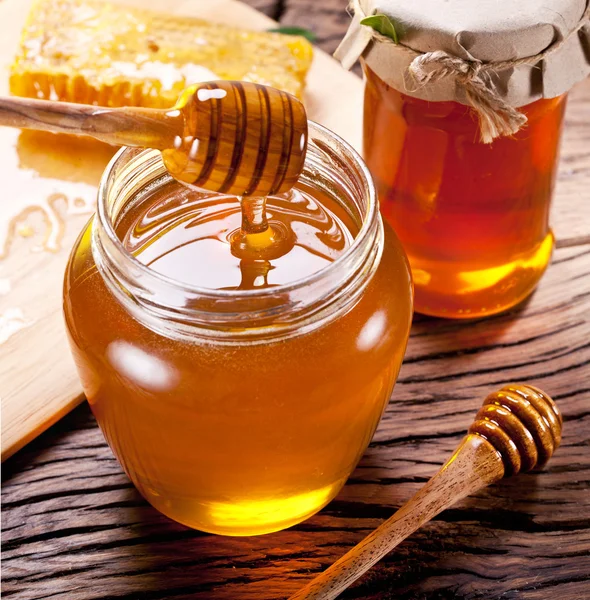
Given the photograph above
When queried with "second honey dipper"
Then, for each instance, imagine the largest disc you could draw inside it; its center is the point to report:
(517, 429)
(230, 137)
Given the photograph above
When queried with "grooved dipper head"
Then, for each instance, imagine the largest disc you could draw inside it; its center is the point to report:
(522, 423)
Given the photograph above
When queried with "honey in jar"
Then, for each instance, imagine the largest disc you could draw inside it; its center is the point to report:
(463, 115)
(473, 217)
(237, 378)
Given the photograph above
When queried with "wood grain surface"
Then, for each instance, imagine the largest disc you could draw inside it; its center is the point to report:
(74, 527)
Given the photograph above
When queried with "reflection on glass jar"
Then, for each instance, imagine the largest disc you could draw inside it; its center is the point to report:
(238, 411)
(473, 217)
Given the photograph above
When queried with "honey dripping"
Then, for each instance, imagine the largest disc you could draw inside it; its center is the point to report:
(257, 242)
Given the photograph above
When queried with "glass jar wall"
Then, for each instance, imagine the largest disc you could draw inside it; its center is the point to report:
(239, 412)
(473, 217)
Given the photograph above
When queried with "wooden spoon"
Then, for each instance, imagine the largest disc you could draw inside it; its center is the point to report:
(518, 428)
(231, 137)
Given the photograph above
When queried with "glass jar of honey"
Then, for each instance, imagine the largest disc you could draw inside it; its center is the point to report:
(473, 217)
(238, 394)
(463, 115)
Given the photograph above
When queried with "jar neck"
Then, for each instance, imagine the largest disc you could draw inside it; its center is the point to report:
(177, 309)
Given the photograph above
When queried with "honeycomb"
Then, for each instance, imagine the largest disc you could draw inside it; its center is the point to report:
(93, 52)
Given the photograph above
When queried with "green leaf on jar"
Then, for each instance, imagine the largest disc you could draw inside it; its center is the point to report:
(383, 24)
(306, 33)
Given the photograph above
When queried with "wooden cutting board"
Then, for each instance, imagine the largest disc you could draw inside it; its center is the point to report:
(45, 201)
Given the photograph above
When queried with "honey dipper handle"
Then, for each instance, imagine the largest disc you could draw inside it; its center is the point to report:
(474, 465)
(129, 126)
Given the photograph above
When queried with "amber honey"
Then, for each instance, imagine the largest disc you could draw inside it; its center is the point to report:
(191, 237)
(473, 217)
(238, 390)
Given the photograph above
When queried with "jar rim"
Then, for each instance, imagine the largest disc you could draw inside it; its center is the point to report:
(364, 231)
(182, 309)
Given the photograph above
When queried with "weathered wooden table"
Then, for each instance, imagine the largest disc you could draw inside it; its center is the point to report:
(74, 527)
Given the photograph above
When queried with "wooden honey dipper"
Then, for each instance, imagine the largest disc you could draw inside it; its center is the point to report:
(518, 428)
(230, 137)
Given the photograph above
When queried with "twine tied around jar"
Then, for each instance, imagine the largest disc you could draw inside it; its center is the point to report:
(496, 116)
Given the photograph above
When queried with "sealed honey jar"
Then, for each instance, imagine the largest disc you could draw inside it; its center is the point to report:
(238, 388)
(463, 113)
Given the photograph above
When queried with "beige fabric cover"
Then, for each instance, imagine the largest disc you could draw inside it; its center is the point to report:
(485, 30)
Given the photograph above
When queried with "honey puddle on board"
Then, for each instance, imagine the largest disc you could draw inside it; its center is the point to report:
(52, 176)
(49, 191)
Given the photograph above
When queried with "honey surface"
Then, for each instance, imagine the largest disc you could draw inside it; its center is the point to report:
(473, 217)
(237, 438)
(187, 236)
